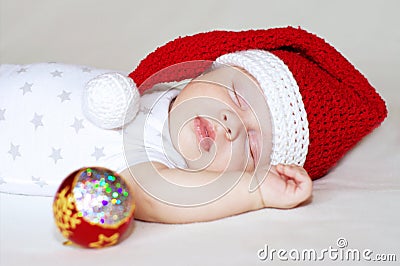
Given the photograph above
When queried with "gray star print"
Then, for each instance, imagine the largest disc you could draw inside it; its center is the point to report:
(14, 151)
(37, 120)
(56, 155)
(98, 153)
(56, 73)
(21, 70)
(26, 88)
(2, 117)
(64, 96)
(39, 182)
(78, 124)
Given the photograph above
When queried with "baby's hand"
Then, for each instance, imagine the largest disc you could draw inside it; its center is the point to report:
(286, 186)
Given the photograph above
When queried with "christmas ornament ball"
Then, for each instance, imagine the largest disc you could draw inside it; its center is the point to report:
(93, 207)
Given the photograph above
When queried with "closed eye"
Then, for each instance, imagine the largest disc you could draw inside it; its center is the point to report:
(254, 145)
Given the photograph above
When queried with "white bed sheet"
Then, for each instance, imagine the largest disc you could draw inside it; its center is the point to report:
(358, 201)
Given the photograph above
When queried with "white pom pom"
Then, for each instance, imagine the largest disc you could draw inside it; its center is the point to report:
(110, 100)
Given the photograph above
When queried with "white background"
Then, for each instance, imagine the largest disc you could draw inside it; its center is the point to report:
(118, 34)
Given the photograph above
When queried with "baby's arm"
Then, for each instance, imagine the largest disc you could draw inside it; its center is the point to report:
(278, 190)
(149, 208)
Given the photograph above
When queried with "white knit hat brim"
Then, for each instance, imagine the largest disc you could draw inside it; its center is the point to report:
(290, 133)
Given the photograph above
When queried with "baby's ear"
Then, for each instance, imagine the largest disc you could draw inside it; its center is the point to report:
(286, 186)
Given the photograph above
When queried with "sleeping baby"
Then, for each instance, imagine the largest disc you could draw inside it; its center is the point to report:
(208, 150)
(226, 123)
(243, 121)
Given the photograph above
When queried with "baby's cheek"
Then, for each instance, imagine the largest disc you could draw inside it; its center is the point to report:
(187, 145)
(233, 160)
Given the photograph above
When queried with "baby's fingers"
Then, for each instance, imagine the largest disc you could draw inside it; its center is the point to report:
(298, 173)
(302, 187)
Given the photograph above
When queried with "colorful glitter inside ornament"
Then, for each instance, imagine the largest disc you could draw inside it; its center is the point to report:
(93, 207)
(95, 190)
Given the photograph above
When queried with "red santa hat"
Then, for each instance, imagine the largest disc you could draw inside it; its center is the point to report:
(320, 105)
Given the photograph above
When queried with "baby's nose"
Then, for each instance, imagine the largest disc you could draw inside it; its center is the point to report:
(232, 123)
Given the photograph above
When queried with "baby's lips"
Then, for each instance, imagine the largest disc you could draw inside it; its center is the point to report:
(206, 144)
(205, 133)
(208, 127)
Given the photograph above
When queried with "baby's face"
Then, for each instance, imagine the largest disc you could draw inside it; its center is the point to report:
(220, 122)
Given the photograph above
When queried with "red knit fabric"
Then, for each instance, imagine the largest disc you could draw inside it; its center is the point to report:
(342, 107)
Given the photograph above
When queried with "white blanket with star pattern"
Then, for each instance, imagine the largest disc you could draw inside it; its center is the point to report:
(44, 135)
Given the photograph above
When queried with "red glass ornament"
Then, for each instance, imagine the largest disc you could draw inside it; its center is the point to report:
(93, 207)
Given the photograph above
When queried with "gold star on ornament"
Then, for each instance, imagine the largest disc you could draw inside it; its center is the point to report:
(105, 241)
(63, 207)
